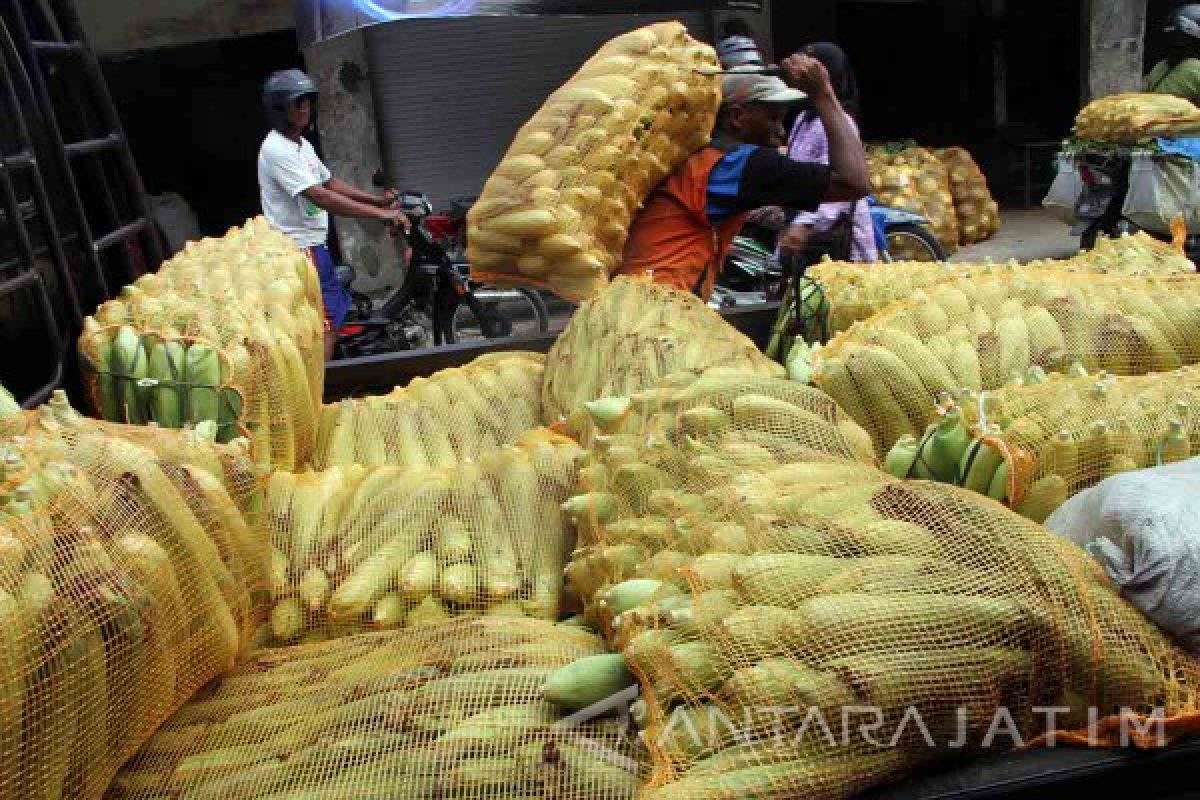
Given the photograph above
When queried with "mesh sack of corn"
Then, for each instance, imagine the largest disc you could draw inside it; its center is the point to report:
(978, 213)
(1130, 117)
(933, 184)
(361, 548)
(853, 292)
(928, 614)
(658, 462)
(229, 330)
(975, 334)
(449, 712)
(557, 211)
(634, 333)
(133, 570)
(454, 415)
(1035, 445)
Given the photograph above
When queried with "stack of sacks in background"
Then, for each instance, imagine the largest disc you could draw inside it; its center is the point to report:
(854, 292)
(557, 211)
(944, 185)
(228, 331)
(454, 711)
(931, 178)
(1039, 442)
(751, 572)
(978, 213)
(1131, 117)
(892, 372)
(133, 570)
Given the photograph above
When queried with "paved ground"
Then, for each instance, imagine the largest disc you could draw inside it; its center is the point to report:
(1024, 235)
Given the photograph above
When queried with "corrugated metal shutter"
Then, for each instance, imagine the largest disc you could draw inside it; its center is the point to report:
(450, 94)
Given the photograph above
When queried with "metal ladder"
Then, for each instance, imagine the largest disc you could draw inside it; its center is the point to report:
(59, 129)
(105, 196)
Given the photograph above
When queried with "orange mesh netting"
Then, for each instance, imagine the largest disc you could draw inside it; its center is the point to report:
(454, 415)
(1127, 118)
(980, 333)
(133, 569)
(969, 614)
(978, 214)
(360, 548)
(821, 588)
(856, 291)
(556, 212)
(1036, 445)
(249, 307)
(631, 335)
(449, 712)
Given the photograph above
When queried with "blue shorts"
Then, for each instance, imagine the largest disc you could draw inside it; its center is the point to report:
(337, 299)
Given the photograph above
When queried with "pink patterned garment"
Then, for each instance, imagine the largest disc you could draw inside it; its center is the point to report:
(808, 143)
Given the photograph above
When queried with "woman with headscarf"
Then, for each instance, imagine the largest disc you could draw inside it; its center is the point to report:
(808, 142)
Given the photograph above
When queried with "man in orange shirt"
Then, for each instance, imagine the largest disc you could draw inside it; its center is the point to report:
(688, 223)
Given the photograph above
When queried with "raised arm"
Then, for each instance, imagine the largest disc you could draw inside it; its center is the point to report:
(849, 178)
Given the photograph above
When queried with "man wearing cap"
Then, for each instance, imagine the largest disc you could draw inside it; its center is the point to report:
(684, 231)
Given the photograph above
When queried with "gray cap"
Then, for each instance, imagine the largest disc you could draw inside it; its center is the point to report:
(740, 90)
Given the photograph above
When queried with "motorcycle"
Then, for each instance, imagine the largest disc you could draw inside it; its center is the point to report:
(437, 302)
(1105, 178)
(1099, 208)
(752, 273)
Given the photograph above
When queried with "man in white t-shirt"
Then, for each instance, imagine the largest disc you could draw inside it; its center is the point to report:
(299, 192)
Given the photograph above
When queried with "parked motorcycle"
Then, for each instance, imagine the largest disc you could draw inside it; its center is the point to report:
(436, 303)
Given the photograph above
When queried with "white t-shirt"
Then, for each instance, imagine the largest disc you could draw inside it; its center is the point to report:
(285, 171)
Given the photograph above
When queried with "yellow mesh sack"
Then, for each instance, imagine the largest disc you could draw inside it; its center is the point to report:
(454, 711)
(933, 184)
(454, 415)
(1048, 441)
(130, 576)
(1130, 117)
(683, 450)
(974, 334)
(978, 213)
(972, 620)
(249, 310)
(377, 548)
(631, 335)
(854, 291)
(556, 212)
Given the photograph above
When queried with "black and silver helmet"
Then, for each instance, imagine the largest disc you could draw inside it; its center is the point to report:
(281, 90)
(1185, 21)
(739, 51)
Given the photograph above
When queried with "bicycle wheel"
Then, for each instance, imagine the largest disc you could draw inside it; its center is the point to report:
(910, 241)
(522, 312)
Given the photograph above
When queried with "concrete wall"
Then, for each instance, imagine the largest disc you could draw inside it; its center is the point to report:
(350, 148)
(117, 26)
(759, 22)
(1116, 32)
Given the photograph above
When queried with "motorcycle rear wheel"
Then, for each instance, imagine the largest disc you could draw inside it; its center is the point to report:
(917, 236)
(523, 309)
